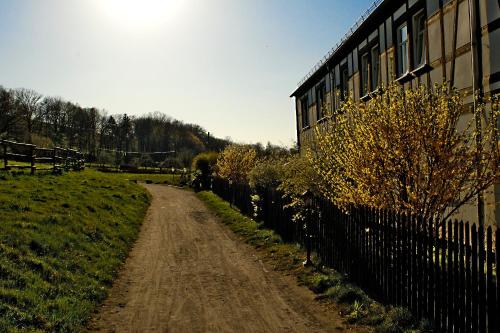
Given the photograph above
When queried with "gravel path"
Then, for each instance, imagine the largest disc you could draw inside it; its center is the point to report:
(189, 273)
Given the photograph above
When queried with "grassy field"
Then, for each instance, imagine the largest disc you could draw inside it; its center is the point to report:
(38, 165)
(329, 285)
(62, 241)
(153, 178)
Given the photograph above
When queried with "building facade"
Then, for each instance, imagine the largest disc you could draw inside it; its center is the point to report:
(412, 42)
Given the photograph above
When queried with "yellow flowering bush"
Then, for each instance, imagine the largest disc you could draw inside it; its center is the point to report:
(298, 177)
(417, 151)
(235, 163)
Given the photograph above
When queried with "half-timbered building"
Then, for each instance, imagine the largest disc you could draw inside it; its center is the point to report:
(412, 42)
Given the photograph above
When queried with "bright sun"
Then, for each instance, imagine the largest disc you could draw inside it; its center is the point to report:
(140, 13)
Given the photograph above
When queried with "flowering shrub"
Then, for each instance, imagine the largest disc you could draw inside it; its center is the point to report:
(267, 172)
(235, 163)
(414, 151)
(298, 177)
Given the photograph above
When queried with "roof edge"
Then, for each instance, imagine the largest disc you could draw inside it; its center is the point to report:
(352, 31)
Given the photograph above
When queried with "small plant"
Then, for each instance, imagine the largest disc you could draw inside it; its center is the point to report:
(397, 320)
(319, 282)
(346, 293)
(357, 312)
(256, 204)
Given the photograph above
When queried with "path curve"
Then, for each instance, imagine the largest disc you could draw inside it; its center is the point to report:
(189, 273)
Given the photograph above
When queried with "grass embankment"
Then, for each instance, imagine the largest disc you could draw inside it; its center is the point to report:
(355, 305)
(62, 242)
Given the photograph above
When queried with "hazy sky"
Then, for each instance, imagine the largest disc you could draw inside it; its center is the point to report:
(227, 65)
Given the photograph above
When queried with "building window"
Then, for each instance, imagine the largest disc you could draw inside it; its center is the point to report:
(304, 111)
(365, 74)
(370, 71)
(344, 83)
(332, 91)
(419, 40)
(320, 100)
(402, 49)
(375, 68)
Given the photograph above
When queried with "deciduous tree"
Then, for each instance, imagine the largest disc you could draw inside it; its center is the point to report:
(27, 103)
(8, 115)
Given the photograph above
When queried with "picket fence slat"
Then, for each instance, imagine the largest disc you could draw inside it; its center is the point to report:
(491, 288)
(468, 283)
(482, 281)
(445, 272)
(461, 279)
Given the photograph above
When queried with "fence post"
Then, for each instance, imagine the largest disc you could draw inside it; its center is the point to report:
(482, 280)
(468, 283)
(444, 277)
(461, 277)
(475, 297)
(431, 289)
(497, 253)
(456, 275)
(450, 276)
(490, 286)
(5, 160)
(54, 159)
(33, 156)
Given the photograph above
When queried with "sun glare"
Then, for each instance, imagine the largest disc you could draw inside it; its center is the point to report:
(140, 13)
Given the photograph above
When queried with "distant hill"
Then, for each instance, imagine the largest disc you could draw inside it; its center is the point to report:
(27, 116)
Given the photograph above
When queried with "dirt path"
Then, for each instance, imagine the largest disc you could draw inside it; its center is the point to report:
(188, 273)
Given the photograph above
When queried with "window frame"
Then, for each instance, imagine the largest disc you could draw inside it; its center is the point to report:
(415, 38)
(399, 43)
(344, 82)
(320, 101)
(304, 111)
(414, 32)
(369, 80)
(365, 73)
(374, 76)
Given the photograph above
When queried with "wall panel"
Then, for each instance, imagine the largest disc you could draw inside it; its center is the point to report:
(463, 71)
(463, 31)
(434, 32)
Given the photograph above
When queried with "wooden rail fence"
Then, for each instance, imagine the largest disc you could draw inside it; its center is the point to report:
(446, 273)
(58, 158)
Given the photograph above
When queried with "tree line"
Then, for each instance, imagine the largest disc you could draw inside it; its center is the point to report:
(27, 116)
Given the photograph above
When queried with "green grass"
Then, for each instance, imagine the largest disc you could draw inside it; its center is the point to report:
(330, 286)
(153, 178)
(38, 165)
(62, 242)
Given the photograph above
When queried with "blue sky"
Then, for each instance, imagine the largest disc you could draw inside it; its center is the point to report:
(226, 65)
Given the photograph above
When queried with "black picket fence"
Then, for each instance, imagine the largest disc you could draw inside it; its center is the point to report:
(446, 273)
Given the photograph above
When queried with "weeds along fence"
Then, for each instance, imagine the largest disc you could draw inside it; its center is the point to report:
(54, 159)
(445, 273)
